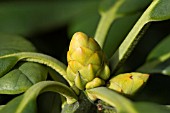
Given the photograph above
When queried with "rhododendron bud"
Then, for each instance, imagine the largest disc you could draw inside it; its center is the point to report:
(128, 83)
(86, 61)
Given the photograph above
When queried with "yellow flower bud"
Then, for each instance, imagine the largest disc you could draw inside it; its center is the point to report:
(128, 83)
(86, 61)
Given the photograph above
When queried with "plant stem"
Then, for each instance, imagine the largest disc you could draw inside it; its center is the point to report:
(105, 22)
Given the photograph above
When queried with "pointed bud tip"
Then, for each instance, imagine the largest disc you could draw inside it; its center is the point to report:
(79, 35)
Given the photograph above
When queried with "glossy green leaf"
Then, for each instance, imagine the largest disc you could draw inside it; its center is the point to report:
(42, 59)
(21, 78)
(161, 11)
(11, 44)
(26, 103)
(118, 32)
(16, 78)
(7, 64)
(133, 37)
(128, 83)
(124, 105)
(111, 11)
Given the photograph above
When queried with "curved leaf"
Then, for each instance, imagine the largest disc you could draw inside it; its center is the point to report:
(133, 37)
(123, 105)
(26, 103)
(166, 71)
(144, 107)
(161, 49)
(158, 59)
(112, 98)
(15, 77)
(112, 10)
(11, 44)
(21, 78)
(42, 59)
(161, 11)
(7, 64)
(118, 32)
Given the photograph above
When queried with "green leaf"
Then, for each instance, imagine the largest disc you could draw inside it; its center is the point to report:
(83, 105)
(21, 78)
(134, 35)
(42, 59)
(118, 32)
(106, 95)
(129, 7)
(122, 104)
(161, 49)
(7, 64)
(13, 43)
(16, 78)
(161, 10)
(111, 11)
(166, 71)
(158, 59)
(144, 107)
(1, 106)
(105, 22)
(83, 21)
(26, 103)
(40, 15)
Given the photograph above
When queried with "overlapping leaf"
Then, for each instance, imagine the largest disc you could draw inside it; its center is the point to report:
(22, 77)
(17, 78)
(149, 15)
(26, 103)
(124, 105)
(123, 18)
(158, 60)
